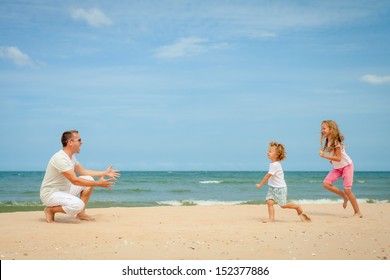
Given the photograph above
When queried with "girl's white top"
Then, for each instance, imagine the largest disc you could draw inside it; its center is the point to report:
(345, 159)
(277, 178)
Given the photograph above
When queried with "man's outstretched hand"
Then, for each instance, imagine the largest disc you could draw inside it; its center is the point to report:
(113, 174)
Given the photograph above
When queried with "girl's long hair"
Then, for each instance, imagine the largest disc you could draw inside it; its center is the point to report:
(336, 137)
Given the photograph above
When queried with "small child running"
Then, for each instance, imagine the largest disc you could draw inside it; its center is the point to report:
(277, 191)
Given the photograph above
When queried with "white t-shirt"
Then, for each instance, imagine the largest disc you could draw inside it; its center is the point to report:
(54, 180)
(345, 159)
(277, 178)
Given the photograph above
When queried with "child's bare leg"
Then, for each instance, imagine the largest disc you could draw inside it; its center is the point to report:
(337, 191)
(271, 211)
(304, 217)
(51, 211)
(290, 205)
(354, 202)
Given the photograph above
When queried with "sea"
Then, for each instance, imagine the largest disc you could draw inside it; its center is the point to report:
(19, 190)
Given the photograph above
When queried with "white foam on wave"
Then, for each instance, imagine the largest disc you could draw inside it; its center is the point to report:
(316, 201)
(199, 202)
(336, 201)
(210, 182)
(189, 202)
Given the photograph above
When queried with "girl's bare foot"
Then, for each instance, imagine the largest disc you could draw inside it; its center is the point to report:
(304, 217)
(268, 221)
(345, 202)
(49, 215)
(358, 215)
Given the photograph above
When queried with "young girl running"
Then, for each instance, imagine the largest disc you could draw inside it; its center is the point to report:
(277, 191)
(333, 149)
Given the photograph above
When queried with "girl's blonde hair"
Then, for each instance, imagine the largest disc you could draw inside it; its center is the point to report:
(336, 137)
(280, 151)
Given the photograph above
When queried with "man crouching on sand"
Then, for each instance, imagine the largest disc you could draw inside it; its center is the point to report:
(62, 191)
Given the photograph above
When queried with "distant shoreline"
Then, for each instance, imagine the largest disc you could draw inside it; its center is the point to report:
(186, 203)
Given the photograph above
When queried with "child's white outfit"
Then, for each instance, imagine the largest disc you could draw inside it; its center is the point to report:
(277, 190)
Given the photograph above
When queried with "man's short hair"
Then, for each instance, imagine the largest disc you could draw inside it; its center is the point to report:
(66, 136)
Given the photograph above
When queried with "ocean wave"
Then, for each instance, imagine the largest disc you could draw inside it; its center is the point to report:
(20, 206)
(13, 206)
(20, 203)
(198, 202)
(180, 191)
(320, 181)
(251, 202)
(137, 190)
(211, 182)
(336, 201)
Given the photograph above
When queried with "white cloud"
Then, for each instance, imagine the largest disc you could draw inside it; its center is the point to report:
(188, 46)
(376, 80)
(16, 56)
(93, 17)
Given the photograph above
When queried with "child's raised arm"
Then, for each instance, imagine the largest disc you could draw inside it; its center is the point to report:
(265, 179)
(336, 157)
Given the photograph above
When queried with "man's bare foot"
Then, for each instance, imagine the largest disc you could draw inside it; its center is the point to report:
(49, 215)
(268, 221)
(304, 217)
(345, 203)
(85, 217)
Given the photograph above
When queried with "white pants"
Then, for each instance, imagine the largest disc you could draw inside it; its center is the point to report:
(70, 201)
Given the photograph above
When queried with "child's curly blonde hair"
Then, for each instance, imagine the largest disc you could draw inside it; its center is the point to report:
(280, 151)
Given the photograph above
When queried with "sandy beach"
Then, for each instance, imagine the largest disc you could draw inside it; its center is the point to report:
(200, 233)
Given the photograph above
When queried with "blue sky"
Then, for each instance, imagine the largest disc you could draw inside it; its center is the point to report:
(193, 85)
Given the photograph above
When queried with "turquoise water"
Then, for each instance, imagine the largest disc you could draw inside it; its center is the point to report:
(19, 191)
